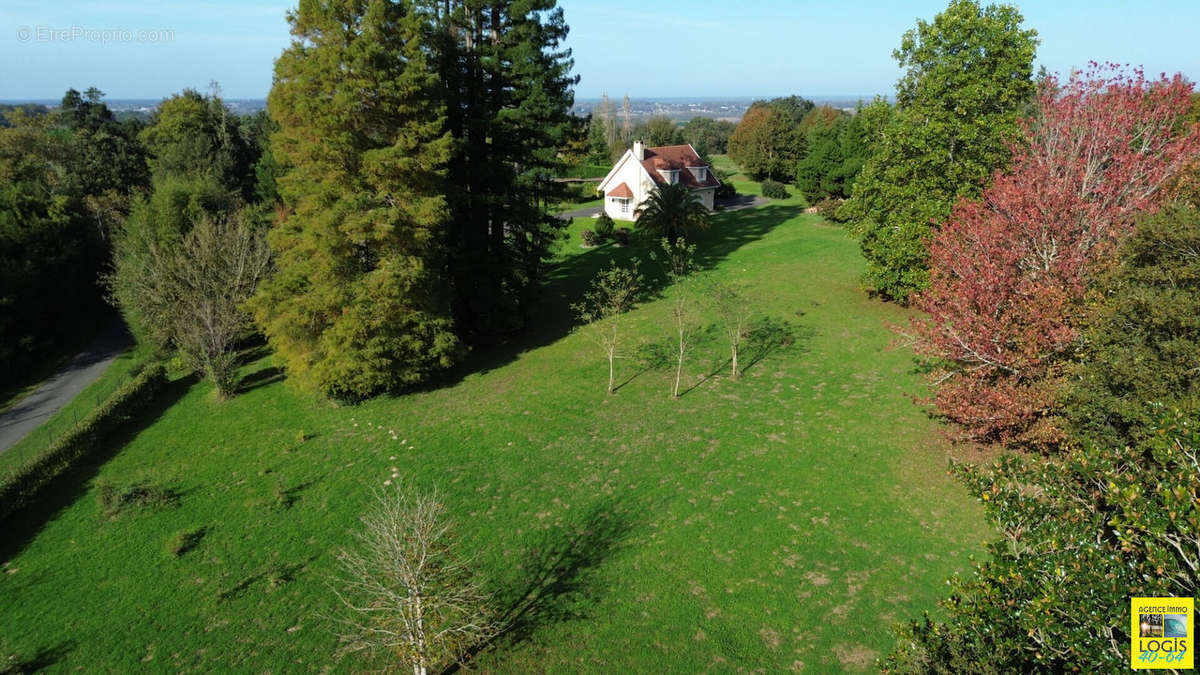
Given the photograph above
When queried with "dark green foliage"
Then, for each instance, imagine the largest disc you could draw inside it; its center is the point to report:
(1143, 342)
(708, 136)
(621, 236)
(196, 136)
(107, 160)
(21, 486)
(113, 500)
(774, 190)
(507, 90)
(357, 305)
(588, 238)
(604, 225)
(57, 203)
(1081, 534)
(659, 131)
(968, 77)
(670, 212)
(727, 188)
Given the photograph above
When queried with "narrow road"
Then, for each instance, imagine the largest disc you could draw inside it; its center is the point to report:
(65, 385)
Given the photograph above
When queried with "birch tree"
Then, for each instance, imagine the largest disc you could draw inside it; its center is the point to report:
(679, 264)
(613, 293)
(732, 304)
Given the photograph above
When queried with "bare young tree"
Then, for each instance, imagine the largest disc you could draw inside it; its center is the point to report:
(222, 261)
(612, 293)
(679, 264)
(407, 592)
(190, 291)
(733, 305)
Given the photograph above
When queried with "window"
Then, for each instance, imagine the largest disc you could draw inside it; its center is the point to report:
(624, 205)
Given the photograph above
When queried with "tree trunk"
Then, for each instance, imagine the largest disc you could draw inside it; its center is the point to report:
(610, 371)
(678, 368)
(733, 353)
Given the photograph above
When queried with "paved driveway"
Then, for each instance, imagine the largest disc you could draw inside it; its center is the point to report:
(65, 385)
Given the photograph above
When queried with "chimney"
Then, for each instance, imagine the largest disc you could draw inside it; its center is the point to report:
(639, 150)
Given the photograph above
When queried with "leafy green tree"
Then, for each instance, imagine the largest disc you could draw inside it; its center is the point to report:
(968, 75)
(356, 305)
(670, 212)
(708, 136)
(769, 140)
(195, 135)
(659, 131)
(508, 89)
(107, 160)
(50, 251)
(1143, 342)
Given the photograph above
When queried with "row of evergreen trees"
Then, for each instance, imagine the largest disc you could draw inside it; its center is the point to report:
(418, 141)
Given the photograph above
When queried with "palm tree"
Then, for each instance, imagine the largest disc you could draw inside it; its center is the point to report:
(670, 211)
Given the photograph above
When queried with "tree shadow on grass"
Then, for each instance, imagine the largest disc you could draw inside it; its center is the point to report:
(767, 337)
(565, 282)
(41, 660)
(260, 378)
(22, 525)
(559, 578)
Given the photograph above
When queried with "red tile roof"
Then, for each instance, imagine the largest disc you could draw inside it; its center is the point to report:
(621, 191)
(678, 157)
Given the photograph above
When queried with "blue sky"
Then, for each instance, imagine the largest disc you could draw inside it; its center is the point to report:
(645, 48)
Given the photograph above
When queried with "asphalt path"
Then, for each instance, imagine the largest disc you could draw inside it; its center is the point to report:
(87, 366)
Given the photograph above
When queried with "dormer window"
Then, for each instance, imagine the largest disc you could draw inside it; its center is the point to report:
(671, 176)
(700, 172)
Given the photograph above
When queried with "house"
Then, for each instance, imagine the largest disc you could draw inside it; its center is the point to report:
(641, 169)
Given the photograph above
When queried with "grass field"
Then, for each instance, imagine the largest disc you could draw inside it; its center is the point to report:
(781, 521)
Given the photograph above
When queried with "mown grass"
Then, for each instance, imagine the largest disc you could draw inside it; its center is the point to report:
(779, 521)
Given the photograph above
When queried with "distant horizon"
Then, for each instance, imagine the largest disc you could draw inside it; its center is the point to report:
(55, 100)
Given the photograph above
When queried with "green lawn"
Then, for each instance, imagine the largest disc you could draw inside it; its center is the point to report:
(780, 521)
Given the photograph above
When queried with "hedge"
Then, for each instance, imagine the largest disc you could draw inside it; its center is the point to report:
(19, 487)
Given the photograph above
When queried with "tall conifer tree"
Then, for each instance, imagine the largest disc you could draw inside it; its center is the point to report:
(355, 307)
(508, 92)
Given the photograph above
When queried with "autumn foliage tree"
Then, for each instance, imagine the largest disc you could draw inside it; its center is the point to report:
(1009, 272)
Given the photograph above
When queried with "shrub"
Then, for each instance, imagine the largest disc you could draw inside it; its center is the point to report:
(727, 189)
(113, 500)
(588, 238)
(604, 226)
(621, 236)
(1143, 338)
(829, 208)
(1084, 532)
(19, 487)
(773, 189)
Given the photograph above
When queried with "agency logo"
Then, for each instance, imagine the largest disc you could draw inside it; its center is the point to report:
(1163, 634)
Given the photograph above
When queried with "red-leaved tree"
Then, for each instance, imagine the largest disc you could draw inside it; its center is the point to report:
(1009, 272)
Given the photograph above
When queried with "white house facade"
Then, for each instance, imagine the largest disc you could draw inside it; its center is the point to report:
(641, 169)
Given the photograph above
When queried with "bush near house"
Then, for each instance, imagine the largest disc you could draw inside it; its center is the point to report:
(19, 488)
(604, 226)
(588, 238)
(774, 190)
